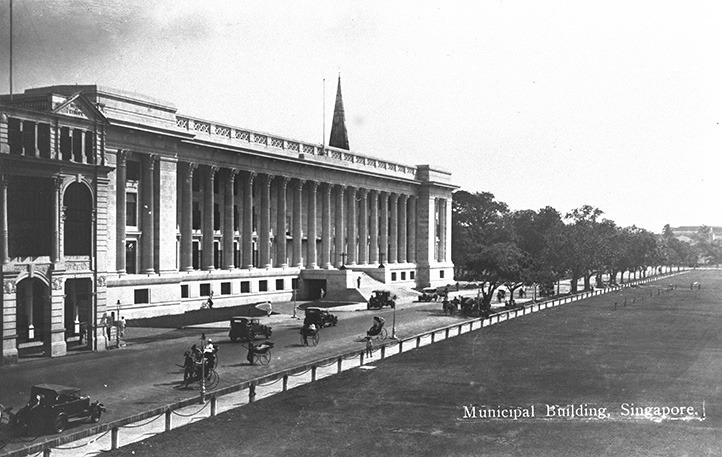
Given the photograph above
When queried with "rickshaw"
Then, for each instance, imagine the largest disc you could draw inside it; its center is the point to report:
(377, 331)
(260, 353)
(313, 335)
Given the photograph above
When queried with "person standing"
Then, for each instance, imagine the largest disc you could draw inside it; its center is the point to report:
(121, 325)
(369, 347)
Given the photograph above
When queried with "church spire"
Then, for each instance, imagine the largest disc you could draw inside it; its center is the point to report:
(339, 136)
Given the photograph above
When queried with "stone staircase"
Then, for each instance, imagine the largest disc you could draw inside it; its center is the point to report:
(363, 293)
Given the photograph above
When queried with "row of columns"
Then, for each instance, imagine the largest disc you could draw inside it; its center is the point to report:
(370, 226)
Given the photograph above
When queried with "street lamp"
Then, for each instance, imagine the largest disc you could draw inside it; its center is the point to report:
(381, 259)
(393, 326)
(343, 261)
(117, 324)
(203, 368)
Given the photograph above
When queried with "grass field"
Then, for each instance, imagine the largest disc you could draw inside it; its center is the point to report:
(663, 349)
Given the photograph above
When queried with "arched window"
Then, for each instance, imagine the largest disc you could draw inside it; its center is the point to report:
(78, 220)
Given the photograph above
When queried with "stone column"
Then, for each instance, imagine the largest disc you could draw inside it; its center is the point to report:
(4, 254)
(442, 230)
(208, 207)
(352, 241)
(148, 219)
(340, 235)
(57, 215)
(447, 229)
(247, 238)
(394, 226)
(83, 159)
(384, 228)
(297, 223)
(187, 219)
(167, 216)
(54, 340)
(363, 246)
(228, 229)
(120, 215)
(411, 246)
(264, 231)
(326, 238)
(403, 198)
(374, 229)
(281, 254)
(311, 236)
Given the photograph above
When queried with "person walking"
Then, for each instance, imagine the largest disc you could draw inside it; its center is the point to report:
(369, 347)
(121, 325)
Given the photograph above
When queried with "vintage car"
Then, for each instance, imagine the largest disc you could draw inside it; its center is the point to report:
(50, 408)
(429, 294)
(247, 328)
(320, 317)
(381, 298)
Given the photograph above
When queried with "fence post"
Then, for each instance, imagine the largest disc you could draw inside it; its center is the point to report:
(432, 337)
(167, 421)
(418, 342)
(401, 346)
(361, 358)
(251, 392)
(46, 452)
(114, 438)
(383, 351)
(447, 333)
(313, 373)
(285, 382)
(213, 406)
(340, 364)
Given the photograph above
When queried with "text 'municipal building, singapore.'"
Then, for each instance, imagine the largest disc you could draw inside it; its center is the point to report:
(113, 203)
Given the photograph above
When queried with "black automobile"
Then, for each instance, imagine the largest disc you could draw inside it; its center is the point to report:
(51, 407)
(381, 298)
(320, 317)
(246, 329)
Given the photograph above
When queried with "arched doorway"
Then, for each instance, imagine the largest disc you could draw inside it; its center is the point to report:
(33, 326)
(78, 297)
(78, 220)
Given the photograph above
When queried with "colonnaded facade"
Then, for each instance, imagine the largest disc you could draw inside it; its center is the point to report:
(113, 203)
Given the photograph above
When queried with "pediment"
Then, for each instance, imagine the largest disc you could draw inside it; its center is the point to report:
(77, 105)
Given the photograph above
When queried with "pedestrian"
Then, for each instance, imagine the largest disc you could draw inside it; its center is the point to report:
(322, 293)
(209, 303)
(358, 282)
(121, 325)
(249, 357)
(83, 332)
(369, 347)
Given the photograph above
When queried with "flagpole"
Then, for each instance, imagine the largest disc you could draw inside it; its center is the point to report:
(11, 49)
(323, 140)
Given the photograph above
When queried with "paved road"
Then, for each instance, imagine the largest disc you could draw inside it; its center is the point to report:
(144, 376)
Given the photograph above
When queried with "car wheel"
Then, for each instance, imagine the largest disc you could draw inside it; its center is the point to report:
(95, 416)
(60, 423)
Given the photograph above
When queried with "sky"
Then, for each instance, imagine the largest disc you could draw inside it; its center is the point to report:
(613, 104)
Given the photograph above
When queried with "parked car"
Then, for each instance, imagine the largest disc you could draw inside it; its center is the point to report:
(246, 329)
(51, 407)
(429, 294)
(320, 317)
(381, 298)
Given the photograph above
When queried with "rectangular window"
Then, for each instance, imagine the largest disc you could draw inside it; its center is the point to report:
(279, 284)
(131, 209)
(263, 285)
(196, 255)
(205, 289)
(131, 256)
(184, 291)
(294, 283)
(403, 276)
(245, 287)
(216, 216)
(132, 171)
(141, 296)
(412, 275)
(393, 276)
(441, 274)
(225, 288)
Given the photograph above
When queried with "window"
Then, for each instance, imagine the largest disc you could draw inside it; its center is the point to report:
(245, 287)
(184, 291)
(131, 209)
(131, 256)
(279, 284)
(441, 274)
(205, 289)
(141, 296)
(132, 171)
(196, 216)
(263, 286)
(403, 276)
(393, 276)
(225, 288)
(412, 275)
(196, 255)
(216, 217)
(294, 283)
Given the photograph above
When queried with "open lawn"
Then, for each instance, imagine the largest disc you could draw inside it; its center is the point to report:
(663, 349)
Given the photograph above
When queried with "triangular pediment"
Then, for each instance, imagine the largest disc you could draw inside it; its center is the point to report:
(77, 105)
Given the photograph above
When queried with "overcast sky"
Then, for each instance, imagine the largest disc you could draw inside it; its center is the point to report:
(615, 104)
